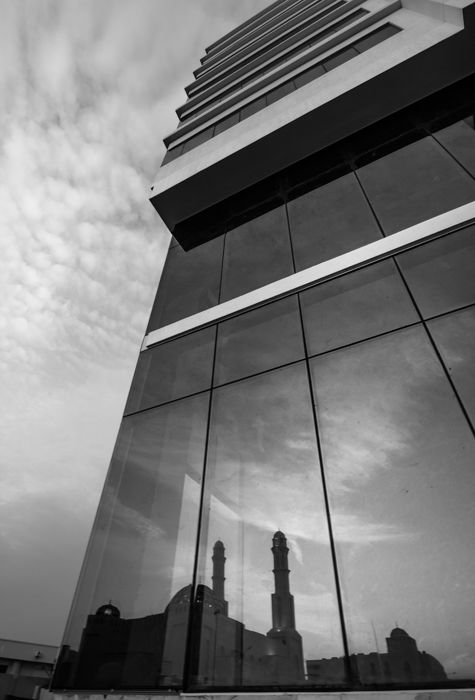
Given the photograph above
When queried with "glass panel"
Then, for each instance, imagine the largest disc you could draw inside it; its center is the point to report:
(440, 274)
(309, 75)
(259, 340)
(339, 58)
(454, 336)
(364, 303)
(459, 140)
(265, 515)
(226, 123)
(376, 37)
(129, 621)
(256, 253)
(280, 92)
(329, 221)
(172, 370)
(415, 183)
(399, 456)
(252, 108)
(189, 283)
(198, 139)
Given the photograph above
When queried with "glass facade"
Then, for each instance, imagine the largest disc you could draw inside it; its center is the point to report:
(404, 187)
(289, 505)
(290, 501)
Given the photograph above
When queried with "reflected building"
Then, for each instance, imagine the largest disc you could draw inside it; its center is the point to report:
(117, 652)
(308, 364)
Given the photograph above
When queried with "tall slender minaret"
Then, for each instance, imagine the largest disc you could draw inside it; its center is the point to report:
(218, 569)
(283, 613)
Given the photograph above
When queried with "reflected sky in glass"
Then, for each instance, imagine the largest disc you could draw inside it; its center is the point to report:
(189, 283)
(330, 221)
(261, 339)
(415, 183)
(367, 302)
(172, 370)
(459, 140)
(399, 461)
(256, 253)
(263, 476)
(142, 546)
(440, 274)
(454, 336)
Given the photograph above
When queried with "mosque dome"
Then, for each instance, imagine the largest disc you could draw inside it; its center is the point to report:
(108, 610)
(398, 632)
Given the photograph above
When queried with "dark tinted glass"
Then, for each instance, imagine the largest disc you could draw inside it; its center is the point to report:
(376, 37)
(415, 183)
(129, 623)
(198, 139)
(256, 253)
(339, 58)
(226, 123)
(398, 457)
(329, 221)
(454, 336)
(364, 303)
(309, 75)
(441, 274)
(172, 370)
(258, 625)
(253, 107)
(280, 91)
(259, 340)
(459, 140)
(189, 283)
(172, 153)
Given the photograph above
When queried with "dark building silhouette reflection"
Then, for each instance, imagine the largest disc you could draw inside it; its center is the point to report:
(149, 652)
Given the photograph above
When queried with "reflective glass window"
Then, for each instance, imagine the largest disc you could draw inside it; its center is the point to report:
(459, 140)
(353, 307)
(129, 622)
(398, 456)
(189, 283)
(280, 92)
(198, 139)
(226, 123)
(440, 274)
(261, 339)
(309, 75)
(415, 183)
(172, 370)
(329, 221)
(454, 336)
(256, 253)
(339, 58)
(266, 601)
(252, 107)
(376, 37)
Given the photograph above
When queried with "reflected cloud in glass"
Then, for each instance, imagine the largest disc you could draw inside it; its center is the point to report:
(141, 556)
(398, 456)
(263, 478)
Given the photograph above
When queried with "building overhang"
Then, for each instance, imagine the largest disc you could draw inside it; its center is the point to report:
(435, 49)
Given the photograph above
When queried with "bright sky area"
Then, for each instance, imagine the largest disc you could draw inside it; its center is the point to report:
(88, 91)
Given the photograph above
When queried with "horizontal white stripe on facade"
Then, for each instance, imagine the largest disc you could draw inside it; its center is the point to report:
(390, 245)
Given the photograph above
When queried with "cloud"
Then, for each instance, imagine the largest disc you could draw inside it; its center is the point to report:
(88, 91)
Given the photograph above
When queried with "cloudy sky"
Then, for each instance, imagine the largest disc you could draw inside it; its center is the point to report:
(87, 92)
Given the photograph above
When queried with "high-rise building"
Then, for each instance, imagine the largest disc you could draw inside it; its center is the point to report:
(290, 503)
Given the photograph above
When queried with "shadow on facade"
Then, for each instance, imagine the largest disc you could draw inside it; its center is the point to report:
(149, 652)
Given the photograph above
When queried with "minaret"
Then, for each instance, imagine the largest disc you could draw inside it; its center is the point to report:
(218, 569)
(283, 614)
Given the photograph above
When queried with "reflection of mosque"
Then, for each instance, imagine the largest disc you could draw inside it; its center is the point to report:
(149, 651)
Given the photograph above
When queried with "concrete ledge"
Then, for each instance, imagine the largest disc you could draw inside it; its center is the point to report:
(459, 694)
